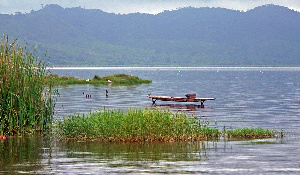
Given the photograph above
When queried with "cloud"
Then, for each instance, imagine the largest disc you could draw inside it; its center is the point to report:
(143, 6)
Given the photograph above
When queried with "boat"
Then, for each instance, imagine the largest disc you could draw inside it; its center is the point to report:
(188, 98)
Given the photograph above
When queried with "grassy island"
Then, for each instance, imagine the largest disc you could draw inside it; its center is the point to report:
(117, 79)
(147, 125)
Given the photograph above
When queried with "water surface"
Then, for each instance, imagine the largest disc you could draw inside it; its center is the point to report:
(245, 97)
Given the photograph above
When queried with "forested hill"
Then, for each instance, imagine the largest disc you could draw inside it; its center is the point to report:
(267, 35)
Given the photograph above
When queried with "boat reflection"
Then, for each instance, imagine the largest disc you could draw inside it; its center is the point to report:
(187, 107)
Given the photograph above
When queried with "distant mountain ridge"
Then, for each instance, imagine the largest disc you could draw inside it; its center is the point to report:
(267, 35)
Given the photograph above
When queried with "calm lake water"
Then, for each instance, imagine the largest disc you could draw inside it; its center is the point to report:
(245, 97)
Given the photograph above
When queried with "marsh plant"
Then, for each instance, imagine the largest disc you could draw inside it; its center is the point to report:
(250, 133)
(117, 79)
(138, 125)
(135, 125)
(25, 100)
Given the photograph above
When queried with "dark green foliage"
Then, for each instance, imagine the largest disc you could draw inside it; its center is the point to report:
(25, 101)
(267, 35)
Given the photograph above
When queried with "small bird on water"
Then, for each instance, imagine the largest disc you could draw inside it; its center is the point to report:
(88, 96)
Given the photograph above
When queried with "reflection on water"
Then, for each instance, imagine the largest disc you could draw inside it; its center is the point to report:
(22, 154)
(34, 154)
(139, 151)
(134, 157)
(38, 155)
(188, 107)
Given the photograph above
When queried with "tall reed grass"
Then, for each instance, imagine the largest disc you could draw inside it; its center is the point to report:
(249, 133)
(135, 125)
(25, 100)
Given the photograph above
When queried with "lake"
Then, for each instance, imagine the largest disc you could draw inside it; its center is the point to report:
(267, 97)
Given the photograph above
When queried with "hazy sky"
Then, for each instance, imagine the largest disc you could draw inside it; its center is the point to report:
(143, 6)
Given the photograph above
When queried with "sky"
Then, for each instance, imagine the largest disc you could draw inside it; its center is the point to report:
(142, 6)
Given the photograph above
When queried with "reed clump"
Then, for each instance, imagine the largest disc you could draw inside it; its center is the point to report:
(125, 79)
(251, 133)
(25, 102)
(117, 79)
(139, 125)
(135, 125)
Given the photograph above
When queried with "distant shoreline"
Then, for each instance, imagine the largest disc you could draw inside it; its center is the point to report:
(173, 67)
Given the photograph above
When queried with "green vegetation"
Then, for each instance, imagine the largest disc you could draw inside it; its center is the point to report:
(25, 102)
(117, 79)
(135, 125)
(249, 133)
(147, 125)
